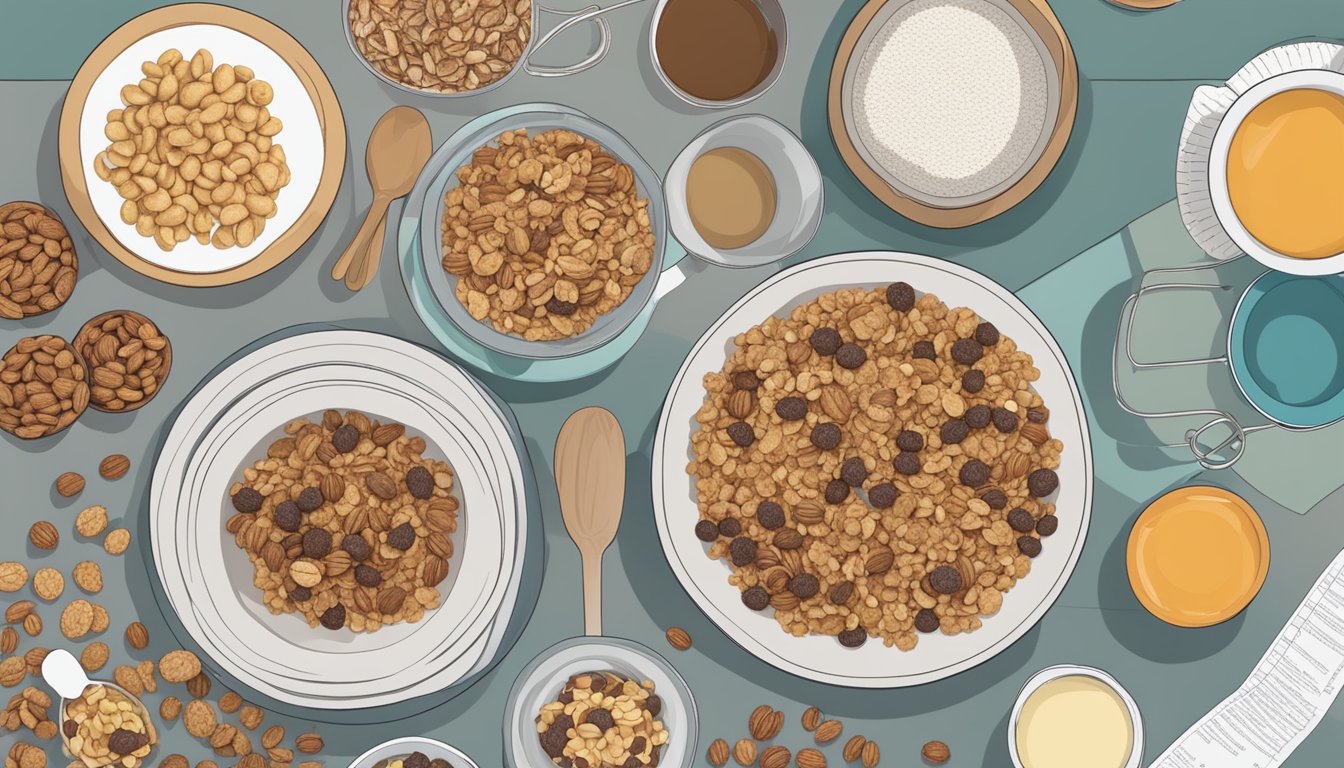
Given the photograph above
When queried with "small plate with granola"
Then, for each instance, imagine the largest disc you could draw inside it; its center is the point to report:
(425, 449)
(874, 470)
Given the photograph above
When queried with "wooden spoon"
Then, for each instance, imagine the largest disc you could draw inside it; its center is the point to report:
(590, 475)
(398, 149)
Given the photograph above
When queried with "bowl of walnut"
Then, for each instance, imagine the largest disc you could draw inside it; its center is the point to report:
(874, 470)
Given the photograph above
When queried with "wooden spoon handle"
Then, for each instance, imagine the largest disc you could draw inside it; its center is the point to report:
(359, 243)
(372, 256)
(592, 594)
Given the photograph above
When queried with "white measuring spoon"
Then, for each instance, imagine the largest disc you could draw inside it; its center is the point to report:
(63, 673)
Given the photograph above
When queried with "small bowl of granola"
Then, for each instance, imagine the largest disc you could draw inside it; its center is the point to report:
(602, 701)
(413, 752)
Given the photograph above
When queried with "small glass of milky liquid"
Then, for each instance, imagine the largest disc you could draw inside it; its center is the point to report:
(1070, 716)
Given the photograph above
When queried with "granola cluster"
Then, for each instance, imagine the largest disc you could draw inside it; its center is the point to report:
(346, 523)
(875, 464)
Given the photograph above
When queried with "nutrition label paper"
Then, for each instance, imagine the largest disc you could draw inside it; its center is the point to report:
(1286, 695)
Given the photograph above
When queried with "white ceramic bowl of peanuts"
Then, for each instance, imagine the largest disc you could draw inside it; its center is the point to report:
(300, 135)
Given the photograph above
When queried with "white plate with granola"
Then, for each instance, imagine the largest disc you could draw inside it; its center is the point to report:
(439, 617)
(441, 388)
(422, 648)
(890, 501)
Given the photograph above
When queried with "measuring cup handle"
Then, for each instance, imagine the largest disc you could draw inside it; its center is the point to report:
(591, 13)
(1236, 440)
(678, 265)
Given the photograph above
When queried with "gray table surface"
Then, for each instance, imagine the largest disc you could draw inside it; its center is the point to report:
(1137, 72)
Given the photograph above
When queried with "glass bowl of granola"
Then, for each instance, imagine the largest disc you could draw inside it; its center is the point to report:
(575, 247)
(606, 701)
(413, 752)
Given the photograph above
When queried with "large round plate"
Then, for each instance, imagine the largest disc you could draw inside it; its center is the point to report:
(460, 399)
(1038, 21)
(821, 658)
(313, 138)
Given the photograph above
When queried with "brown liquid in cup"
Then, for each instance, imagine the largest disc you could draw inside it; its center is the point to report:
(715, 50)
(730, 196)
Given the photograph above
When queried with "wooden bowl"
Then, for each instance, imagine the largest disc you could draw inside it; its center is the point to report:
(1047, 27)
(138, 252)
(81, 340)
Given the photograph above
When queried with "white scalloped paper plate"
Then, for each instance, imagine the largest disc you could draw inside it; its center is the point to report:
(1208, 105)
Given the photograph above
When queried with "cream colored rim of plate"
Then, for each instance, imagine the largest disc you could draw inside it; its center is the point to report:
(1048, 29)
(315, 82)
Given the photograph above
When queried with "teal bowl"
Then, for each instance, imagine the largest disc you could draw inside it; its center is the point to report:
(1286, 348)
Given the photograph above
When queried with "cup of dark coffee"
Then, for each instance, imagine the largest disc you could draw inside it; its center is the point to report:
(718, 53)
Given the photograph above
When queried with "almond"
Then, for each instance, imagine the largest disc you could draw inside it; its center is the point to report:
(1016, 465)
(114, 466)
(69, 484)
(787, 538)
(828, 731)
(309, 743)
(18, 611)
(718, 753)
(390, 600)
(381, 485)
(436, 570)
(936, 752)
(835, 403)
(741, 403)
(758, 720)
(871, 754)
(879, 561)
(854, 749)
(775, 757)
(811, 758)
(43, 535)
(744, 752)
(808, 513)
(386, 433)
(1036, 433)
(137, 636)
(332, 487)
(811, 718)
(679, 638)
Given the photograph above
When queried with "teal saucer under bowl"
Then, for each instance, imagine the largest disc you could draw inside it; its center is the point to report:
(1286, 348)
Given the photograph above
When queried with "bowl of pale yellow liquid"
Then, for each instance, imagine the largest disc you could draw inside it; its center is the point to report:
(1276, 172)
(1070, 717)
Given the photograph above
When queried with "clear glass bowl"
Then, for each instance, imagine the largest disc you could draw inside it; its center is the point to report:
(440, 175)
(405, 746)
(542, 680)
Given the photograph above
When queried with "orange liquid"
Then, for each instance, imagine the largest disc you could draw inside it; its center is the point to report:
(1285, 173)
(1197, 556)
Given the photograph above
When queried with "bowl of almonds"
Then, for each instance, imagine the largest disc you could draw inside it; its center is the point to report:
(201, 145)
(128, 359)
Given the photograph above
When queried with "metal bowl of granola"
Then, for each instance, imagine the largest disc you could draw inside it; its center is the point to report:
(644, 688)
(448, 49)
(592, 303)
(885, 450)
